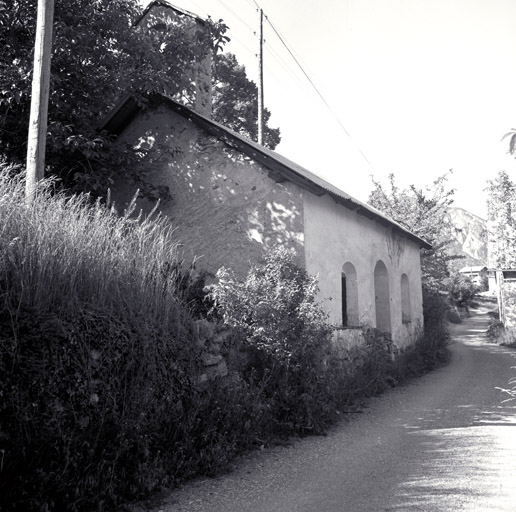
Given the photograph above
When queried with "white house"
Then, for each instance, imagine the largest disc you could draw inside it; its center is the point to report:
(231, 198)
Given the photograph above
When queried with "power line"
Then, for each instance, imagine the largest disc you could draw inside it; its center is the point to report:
(318, 92)
(255, 4)
(236, 15)
(200, 8)
(285, 66)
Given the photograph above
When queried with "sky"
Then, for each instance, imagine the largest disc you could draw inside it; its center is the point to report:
(409, 87)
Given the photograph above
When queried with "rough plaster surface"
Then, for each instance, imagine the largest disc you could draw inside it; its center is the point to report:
(226, 209)
(335, 236)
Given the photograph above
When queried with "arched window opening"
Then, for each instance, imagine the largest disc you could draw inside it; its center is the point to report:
(382, 297)
(349, 295)
(406, 316)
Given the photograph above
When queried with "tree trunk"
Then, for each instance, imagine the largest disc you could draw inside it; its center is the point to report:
(39, 101)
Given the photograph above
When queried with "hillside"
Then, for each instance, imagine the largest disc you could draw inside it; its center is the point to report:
(469, 235)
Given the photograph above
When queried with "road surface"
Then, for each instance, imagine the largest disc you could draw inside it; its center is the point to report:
(444, 443)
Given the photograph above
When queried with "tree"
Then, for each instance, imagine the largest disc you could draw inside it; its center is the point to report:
(501, 218)
(235, 101)
(98, 56)
(512, 140)
(461, 291)
(424, 213)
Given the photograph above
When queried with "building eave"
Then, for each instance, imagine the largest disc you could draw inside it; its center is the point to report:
(280, 168)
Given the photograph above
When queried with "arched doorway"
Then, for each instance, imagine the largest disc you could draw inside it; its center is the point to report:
(382, 297)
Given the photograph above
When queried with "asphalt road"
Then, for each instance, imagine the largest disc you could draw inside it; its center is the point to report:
(443, 443)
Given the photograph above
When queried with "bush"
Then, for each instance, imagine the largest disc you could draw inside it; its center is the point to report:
(497, 332)
(88, 398)
(433, 345)
(291, 362)
(462, 291)
(453, 317)
(101, 392)
(374, 368)
(286, 335)
(100, 400)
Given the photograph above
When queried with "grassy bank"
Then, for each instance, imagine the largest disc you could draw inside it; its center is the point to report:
(102, 399)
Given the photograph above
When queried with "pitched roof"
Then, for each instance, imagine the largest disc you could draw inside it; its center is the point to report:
(469, 270)
(280, 168)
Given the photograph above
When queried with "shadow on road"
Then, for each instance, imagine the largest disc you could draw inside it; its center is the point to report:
(467, 450)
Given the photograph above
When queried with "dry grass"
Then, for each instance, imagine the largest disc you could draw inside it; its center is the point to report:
(63, 252)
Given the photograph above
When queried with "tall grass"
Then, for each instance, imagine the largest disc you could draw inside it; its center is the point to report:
(98, 362)
(62, 252)
(101, 399)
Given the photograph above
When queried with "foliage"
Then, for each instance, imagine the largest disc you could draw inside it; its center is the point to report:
(499, 333)
(510, 391)
(501, 214)
(453, 317)
(512, 140)
(376, 368)
(99, 366)
(98, 55)
(461, 290)
(433, 345)
(192, 288)
(102, 399)
(274, 307)
(424, 212)
(285, 332)
(495, 330)
(235, 101)
(301, 377)
(100, 255)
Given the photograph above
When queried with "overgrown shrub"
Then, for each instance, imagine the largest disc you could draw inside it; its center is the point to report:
(462, 291)
(497, 332)
(287, 337)
(292, 362)
(101, 395)
(432, 346)
(374, 368)
(100, 399)
(453, 317)
(88, 400)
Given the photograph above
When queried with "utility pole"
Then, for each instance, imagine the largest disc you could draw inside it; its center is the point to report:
(36, 142)
(260, 84)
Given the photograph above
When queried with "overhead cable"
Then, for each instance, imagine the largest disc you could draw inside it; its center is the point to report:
(318, 92)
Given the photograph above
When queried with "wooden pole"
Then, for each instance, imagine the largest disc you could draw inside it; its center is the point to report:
(260, 84)
(39, 100)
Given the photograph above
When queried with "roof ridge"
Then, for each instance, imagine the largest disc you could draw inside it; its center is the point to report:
(270, 159)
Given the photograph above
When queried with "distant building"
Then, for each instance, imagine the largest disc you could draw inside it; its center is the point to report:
(477, 274)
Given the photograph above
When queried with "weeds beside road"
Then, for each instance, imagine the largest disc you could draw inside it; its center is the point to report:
(101, 364)
(443, 442)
